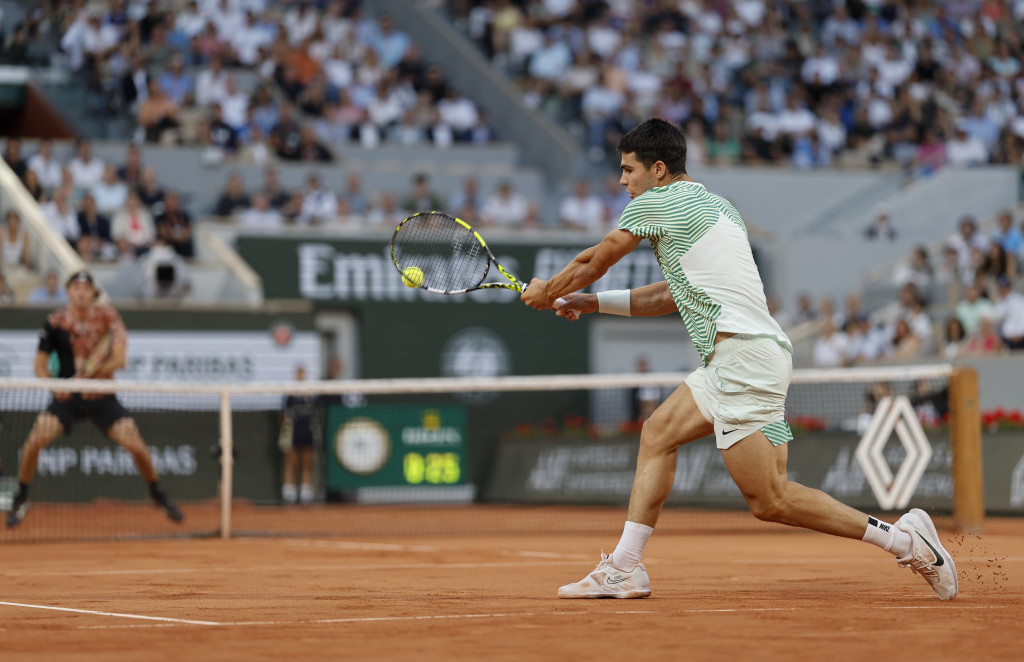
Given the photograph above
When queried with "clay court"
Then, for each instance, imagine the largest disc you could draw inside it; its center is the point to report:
(736, 589)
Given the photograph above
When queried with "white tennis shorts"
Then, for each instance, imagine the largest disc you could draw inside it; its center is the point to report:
(743, 389)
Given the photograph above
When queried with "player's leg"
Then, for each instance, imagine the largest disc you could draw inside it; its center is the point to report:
(289, 491)
(47, 427)
(677, 421)
(759, 469)
(306, 488)
(124, 431)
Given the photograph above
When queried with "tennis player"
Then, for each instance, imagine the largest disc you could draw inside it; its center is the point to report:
(739, 394)
(73, 332)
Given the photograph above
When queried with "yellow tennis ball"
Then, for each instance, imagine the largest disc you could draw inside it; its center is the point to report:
(412, 277)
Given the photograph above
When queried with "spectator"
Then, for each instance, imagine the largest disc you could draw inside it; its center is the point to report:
(14, 243)
(466, 202)
(964, 150)
(174, 226)
(132, 229)
(165, 273)
(158, 116)
(50, 293)
(581, 210)
(130, 171)
(233, 198)
(176, 83)
(352, 198)
(61, 214)
(972, 309)
(278, 197)
(6, 293)
(318, 205)
(996, 262)
(905, 343)
(218, 133)
(986, 342)
(965, 241)
(805, 311)
(917, 270)
(110, 193)
(46, 168)
(32, 185)
(12, 155)
(830, 348)
(261, 215)
(955, 339)
(881, 228)
(286, 136)
(614, 199)
(211, 84)
(506, 207)
(151, 194)
(385, 213)
(310, 149)
(1009, 313)
(1009, 237)
(94, 228)
(421, 197)
(459, 114)
(86, 172)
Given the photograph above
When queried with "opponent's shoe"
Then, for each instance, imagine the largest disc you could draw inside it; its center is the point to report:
(19, 507)
(928, 557)
(167, 504)
(607, 581)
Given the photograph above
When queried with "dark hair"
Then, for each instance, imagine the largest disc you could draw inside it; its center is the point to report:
(656, 140)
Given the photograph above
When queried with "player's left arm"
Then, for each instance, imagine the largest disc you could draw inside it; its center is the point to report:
(585, 269)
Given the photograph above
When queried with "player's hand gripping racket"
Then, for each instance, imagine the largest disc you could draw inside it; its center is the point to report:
(445, 255)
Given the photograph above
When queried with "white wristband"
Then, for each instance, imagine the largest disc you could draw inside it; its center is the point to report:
(613, 302)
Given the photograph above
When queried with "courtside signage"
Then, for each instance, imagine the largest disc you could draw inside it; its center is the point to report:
(360, 271)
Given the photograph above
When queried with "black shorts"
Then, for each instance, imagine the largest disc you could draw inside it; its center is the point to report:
(104, 411)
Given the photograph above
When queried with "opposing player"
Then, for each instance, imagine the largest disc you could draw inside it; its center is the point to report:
(74, 332)
(739, 394)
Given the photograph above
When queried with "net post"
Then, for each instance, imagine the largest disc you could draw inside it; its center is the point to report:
(227, 460)
(965, 441)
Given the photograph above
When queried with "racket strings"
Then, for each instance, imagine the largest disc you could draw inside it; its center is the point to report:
(449, 255)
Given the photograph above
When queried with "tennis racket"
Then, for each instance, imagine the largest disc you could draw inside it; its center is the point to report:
(443, 254)
(97, 357)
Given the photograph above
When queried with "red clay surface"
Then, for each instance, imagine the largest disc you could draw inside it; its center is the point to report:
(768, 593)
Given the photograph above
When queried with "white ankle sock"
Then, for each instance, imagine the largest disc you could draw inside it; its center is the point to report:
(888, 537)
(630, 549)
(289, 493)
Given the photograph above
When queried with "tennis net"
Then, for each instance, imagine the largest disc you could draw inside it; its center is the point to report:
(509, 454)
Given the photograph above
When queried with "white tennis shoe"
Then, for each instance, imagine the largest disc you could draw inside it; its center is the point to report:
(928, 557)
(607, 581)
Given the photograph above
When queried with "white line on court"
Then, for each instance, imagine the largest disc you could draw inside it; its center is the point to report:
(180, 621)
(360, 546)
(290, 568)
(438, 617)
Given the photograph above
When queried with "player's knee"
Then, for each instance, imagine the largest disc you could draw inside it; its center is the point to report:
(654, 436)
(767, 508)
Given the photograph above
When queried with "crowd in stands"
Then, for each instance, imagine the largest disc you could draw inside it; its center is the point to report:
(260, 81)
(976, 289)
(272, 207)
(107, 212)
(920, 84)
